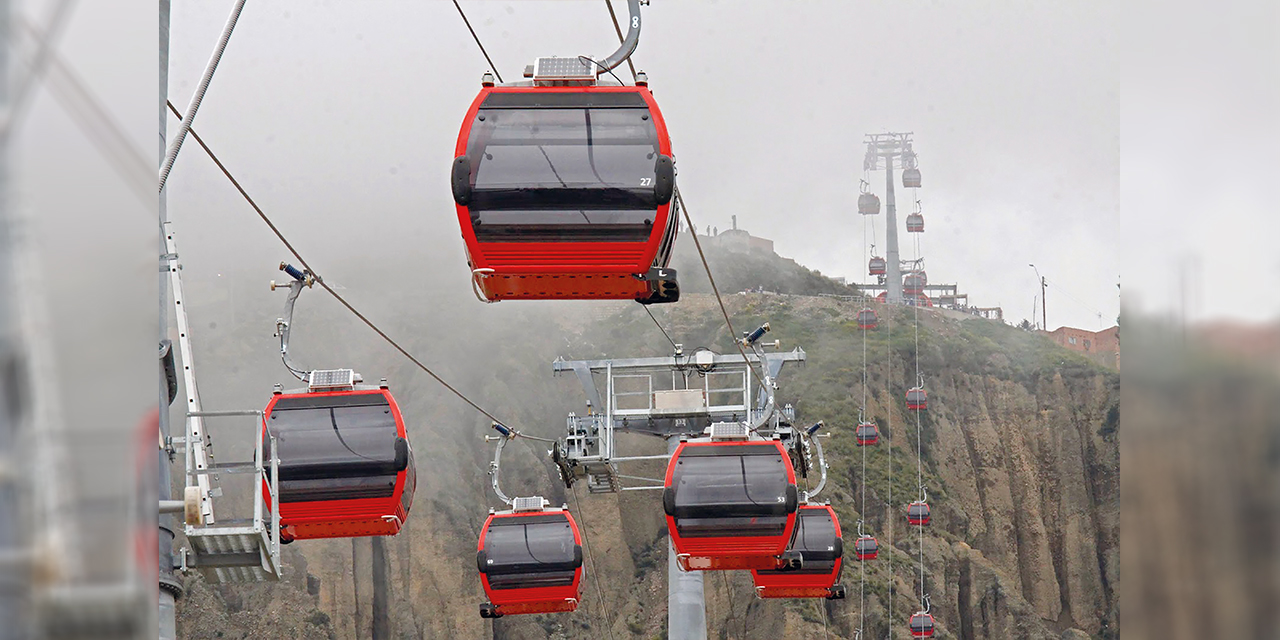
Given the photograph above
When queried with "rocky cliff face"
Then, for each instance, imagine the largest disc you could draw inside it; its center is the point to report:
(1019, 453)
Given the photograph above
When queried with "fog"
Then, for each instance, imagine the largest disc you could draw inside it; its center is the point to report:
(341, 119)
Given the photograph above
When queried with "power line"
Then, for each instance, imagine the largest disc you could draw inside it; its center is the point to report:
(477, 39)
(325, 285)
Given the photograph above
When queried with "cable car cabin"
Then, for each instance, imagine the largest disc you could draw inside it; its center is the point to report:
(915, 223)
(868, 204)
(817, 540)
(914, 281)
(911, 178)
(564, 192)
(921, 625)
(917, 399)
(918, 513)
(730, 504)
(867, 434)
(346, 468)
(530, 562)
(867, 319)
(877, 266)
(866, 548)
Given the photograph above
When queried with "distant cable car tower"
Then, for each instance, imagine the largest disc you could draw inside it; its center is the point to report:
(887, 151)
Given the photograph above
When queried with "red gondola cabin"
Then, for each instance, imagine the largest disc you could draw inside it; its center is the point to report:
(530, 561)
(915, 223)
(730, 504)
(565, 192)
(817, 540)
(867, 434)
(918, 513)
(911, 178)
(877, 266)
(868, 204)
(921, 625)
(917, 399)
(346, 468)
(914, 281)
(866, 548)
(867, 319)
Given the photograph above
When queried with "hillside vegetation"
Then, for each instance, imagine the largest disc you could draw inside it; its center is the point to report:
(1019, 456)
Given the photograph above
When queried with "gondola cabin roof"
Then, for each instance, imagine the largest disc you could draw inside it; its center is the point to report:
(530, 562)
(730, 504)
(564, 192)
(346, 468)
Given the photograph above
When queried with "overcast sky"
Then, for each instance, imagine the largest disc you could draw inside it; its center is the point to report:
(342, 118)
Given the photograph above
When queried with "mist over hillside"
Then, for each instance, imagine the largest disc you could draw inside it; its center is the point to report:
(1019, 452)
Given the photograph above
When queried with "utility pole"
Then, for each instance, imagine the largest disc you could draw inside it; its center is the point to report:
(889, 147)
(170, 588)
(1044, 313)
(14, 575)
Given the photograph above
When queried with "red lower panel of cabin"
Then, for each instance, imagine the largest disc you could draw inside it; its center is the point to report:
(729, 554)
(342, 518)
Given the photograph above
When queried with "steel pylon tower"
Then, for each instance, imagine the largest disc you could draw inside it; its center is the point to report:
(887, 150)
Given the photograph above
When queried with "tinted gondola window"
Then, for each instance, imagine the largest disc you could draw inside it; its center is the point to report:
(563, 174)
(335, 447)
(815, 539)
(730, 495)
(531, 551)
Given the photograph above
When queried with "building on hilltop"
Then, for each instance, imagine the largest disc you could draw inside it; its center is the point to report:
(736, 239)
(1101, 346)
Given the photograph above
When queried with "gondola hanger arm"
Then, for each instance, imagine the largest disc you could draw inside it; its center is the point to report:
(630, 42)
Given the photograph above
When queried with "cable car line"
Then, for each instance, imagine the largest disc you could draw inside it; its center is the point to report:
(660, 328)
(325, 285)
(693, 231)
(477, 39)
(595, 568)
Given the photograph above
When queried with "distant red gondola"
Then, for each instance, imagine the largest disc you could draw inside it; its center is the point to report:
(921, 625)
(877, 266)
(530, 561)
(911, 178)
(867, 434)
(866, 548)
(868, 204)
(917, 399)
(918, 513)
(565, 191)
(915, 223)
(867, 319)
(730, 504)
(817, 540)
(914, 281)
(346, 468)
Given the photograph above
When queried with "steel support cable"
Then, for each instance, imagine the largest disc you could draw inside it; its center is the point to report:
(862, 503)
(660, 328)
(22, 91)
(174, 147)
(889, 440)
(919, 440)
(477, 39)
(595, 573)
(693, 231)
(621, 38)
(323, 284)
